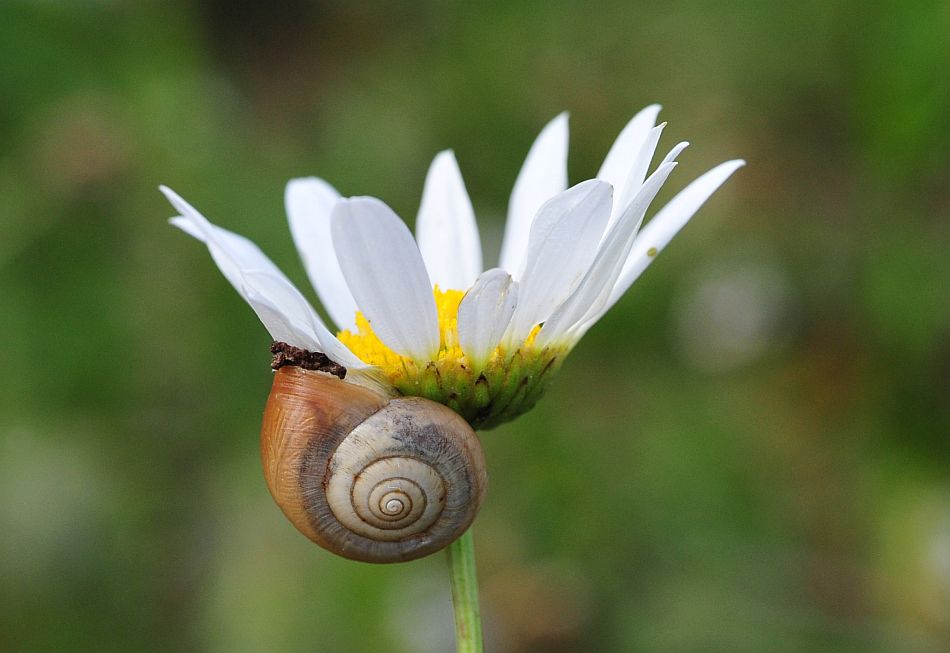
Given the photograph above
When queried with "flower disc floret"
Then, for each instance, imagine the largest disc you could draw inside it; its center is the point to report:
(486, 394)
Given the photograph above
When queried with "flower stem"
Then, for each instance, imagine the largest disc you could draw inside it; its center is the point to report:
(468, 621)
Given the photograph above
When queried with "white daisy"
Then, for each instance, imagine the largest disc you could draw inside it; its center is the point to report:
(421, 314)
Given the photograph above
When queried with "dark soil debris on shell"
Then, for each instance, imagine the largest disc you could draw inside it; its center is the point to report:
(285, 355)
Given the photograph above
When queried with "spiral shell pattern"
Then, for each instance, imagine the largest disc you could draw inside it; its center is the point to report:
(365, 476)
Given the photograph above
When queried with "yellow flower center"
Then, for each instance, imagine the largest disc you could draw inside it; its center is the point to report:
(370, 349)
(506, 385)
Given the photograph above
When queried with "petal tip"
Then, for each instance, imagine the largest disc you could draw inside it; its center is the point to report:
(598, 185)
(295, 183)
(729, 167)
(559, 122)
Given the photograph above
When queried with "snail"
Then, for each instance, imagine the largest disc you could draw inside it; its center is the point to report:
(365, 475)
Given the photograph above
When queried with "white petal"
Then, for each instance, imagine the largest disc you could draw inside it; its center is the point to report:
(284, 312)
(637, 171)
(385, 273)
(232, 252)
(563, 243)
(263, 288)
(245, 253)
(279, 322)
(543, 175)
(675, 152)
(484, 314)
(622, 203)
(586, 304)
(224, 261)
(667, 222)
(445, 227)
(309, 202)
(626, 149)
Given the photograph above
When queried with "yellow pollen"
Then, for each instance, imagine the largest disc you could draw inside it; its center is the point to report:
(370, 349)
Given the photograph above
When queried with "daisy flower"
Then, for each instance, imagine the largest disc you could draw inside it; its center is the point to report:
(421, 315)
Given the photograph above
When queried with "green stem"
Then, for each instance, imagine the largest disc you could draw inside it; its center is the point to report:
(468, 621)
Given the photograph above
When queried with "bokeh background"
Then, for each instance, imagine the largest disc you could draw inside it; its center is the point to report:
(749, 453)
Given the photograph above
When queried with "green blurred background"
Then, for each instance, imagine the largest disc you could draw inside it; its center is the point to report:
(749, 453)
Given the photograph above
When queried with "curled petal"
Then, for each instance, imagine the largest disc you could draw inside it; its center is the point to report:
(285, 313)
(667, 222)
(564, 240)
(586, 305)
(485, 312)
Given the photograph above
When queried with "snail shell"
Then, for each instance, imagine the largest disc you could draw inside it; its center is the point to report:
(367, 476)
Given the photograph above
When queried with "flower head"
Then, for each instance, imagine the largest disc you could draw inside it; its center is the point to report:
(421, 316)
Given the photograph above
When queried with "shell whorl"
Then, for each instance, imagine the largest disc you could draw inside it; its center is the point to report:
(366, 476)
